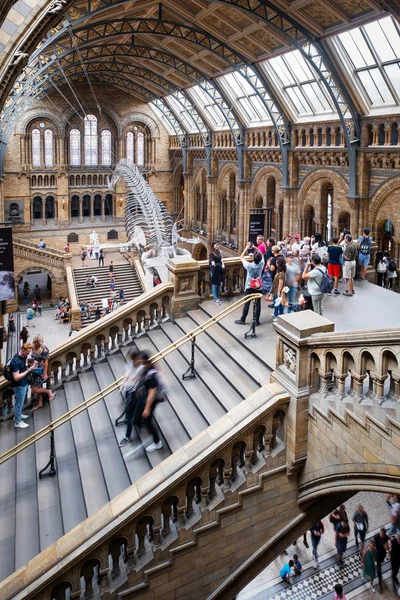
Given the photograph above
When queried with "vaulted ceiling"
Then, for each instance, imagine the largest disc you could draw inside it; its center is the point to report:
(152, 49)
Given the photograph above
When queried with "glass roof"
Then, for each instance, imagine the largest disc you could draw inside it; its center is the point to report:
(372, 56)
(160, 115)
(298, 84)
(208, 107)
(182, 114)
(245, 99)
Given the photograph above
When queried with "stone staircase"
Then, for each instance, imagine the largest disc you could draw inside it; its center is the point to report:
(91, 468)
(125, 278)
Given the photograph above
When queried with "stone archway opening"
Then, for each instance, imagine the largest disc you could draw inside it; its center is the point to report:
(385, 234)
(200, 252)
(29, 279)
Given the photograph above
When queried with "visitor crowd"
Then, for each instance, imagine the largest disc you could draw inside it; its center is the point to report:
(383, 546)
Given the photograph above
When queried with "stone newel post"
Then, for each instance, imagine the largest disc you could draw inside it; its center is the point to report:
(183, 273)
(292, 372)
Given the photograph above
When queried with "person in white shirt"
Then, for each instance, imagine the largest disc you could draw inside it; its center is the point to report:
(314, 273)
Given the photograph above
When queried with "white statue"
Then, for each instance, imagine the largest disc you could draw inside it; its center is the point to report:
(94, 238)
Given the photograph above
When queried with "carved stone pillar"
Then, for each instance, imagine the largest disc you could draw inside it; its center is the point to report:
(375, 134)
(103, 218)
(92, 209)
(183, 272)
(243, 214)
(212, 208)
(44, 212)
(189, 208)
(80, 210)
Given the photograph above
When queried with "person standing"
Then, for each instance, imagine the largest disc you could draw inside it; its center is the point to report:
(11, 324)
(369, 557)
(42, 244)
(277, 286)
(83, 257)
(20, 372)
(121, 296)
(111, 270)
(339, 593)
(395, 558)
(391, 270)
(334, 263)
(349, 265)
(342, 533)
(360, 520)
(381, 540)
(254, 271)
(216, 279)
(30, 314)
(101, 257)
(292, 278)
(36, 292)
(261, 247)
(381, 268)
(364, 244)
(316, 531)
(25, 292)
(24, 334)
(314, 274)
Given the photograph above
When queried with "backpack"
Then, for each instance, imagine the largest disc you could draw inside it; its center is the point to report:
(327, 282)
(266, 280)
(381, 267)
(392, 267)
(365, 246)
(7, 373)
(44, 245)
(161, 389)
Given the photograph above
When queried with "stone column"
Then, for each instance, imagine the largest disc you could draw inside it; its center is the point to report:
(80, 209)
(91, 209)
(183, 273)
(212, 209)
(189, 209)
(103, 218)
(243, 214)
(291, 371)
(44, 212)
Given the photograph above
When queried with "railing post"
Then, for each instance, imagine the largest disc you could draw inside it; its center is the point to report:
(252, 331)
(51, 465)
(191, 373)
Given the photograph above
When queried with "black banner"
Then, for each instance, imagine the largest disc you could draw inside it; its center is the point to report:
(7, 283)
(256, 226)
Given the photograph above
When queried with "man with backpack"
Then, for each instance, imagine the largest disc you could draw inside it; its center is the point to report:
(17, 372)
(364, 244)
(317, 277)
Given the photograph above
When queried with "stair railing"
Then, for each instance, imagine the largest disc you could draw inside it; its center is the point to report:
(66, 417)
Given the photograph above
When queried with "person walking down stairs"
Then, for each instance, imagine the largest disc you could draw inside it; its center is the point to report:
(142, 390)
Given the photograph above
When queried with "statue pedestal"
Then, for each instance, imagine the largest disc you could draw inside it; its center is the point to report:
(183, 273)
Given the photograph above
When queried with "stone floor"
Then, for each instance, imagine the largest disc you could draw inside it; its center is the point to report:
(313, 584)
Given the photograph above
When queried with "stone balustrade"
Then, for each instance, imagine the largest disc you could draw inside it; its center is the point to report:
(193, 494)
(75, 312)
(118, 328)
(22, 242)
(233, 278)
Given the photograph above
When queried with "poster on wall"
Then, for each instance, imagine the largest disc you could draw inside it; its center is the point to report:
(256, 226)
(14, 211)
(7, 283)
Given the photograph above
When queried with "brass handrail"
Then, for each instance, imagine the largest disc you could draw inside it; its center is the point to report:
(38, 435)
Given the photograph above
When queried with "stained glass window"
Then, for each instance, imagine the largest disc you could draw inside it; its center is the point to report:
(130, 147)
(372, 54)
(91, 153)
(36, 162)
(140, 149)
(48, 148)
(106, 147)
(75, 148)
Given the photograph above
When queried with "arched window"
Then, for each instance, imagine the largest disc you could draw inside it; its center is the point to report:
(91, 154)
(75, 148)
(140, 149)
(36, 148)
(106, 148)
(130, 147)
(48, 148)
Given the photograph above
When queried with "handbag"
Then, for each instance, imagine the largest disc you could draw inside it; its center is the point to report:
(256, 283)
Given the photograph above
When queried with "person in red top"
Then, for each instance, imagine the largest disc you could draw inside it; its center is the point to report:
(261, 244)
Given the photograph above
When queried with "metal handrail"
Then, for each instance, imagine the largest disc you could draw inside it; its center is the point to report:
(50, 427)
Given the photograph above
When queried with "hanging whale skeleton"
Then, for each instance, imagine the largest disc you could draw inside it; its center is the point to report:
(147, 221)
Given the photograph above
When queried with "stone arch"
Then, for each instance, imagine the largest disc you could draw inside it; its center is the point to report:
(314, 191)
(226, 169)
(200, 252)
(143, 118)
(110, 112)
(39, 113)
(383, 191)
(384, 207)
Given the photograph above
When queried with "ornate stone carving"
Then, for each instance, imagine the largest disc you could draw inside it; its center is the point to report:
(186, 284)
(289, 358)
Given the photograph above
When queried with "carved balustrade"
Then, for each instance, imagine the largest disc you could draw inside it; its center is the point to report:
(103, 337)
(49, 256)
(233, 278)
(166, 509)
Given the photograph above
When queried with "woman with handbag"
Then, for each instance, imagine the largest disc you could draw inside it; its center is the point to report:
(277, 287)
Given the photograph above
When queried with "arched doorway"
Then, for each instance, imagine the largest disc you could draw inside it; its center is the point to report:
(75, 206)
(86, 206)
(309, 217)
(385, 235)
(37, 208)
(108, 205)
(344, 222)
(97, 205)
(35, 276)
(50, 210)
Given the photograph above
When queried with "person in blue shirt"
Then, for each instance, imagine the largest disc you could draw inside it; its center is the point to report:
(285, 571)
